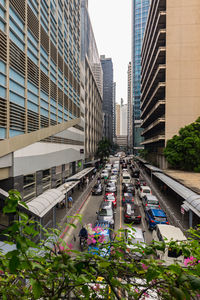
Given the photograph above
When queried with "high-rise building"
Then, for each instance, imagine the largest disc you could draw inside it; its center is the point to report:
(117, 119)
(91, 84)
(130, 111)
(114, 109)
(123, 118)
(41, 119)
(139, 15)
(107, 67)
(170, 73)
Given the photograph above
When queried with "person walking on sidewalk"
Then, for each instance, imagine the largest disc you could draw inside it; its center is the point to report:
(70, 201)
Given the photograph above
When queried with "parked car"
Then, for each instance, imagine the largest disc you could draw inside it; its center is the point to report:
(144, 190)
(150, 201)
(128, 188)
(111, 197)
(135, 173)
(132, 213)
(104, 173)
(134, 238)
(154, 217)
(111, 188)
(127, 198)
(97, 189)
(106, 215)
(139, 182)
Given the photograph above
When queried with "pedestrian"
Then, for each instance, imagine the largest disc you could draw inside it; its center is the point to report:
(92, 176)
(87, 181)
(70, 201)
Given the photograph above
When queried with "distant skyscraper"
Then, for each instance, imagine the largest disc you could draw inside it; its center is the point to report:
(114, 109)
(107, 67)
(130, 110)
(117, 119)
(123, 119)
(139, 16)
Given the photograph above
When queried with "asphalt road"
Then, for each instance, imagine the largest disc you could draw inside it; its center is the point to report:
(88, 213)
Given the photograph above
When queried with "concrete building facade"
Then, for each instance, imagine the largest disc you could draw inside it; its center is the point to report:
(114, 110)
(117, 119)
(91, 85)
(41, 120)
(130, 110)
(107, 67)
(170, 72)
(139, 15)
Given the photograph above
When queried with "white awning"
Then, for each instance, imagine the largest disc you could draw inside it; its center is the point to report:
(192, 199)
(66, 187)
(80, 174)
(41, 205)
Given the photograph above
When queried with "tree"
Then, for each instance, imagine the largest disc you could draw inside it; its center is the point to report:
(54, 271)
(182, 151)
(104, 148)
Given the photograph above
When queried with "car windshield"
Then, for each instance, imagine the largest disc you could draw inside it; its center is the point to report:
(130, 209)
(110, 197)
(153, 202)
(160, 219)
(126, 177)
(105, 212)
(146, 191)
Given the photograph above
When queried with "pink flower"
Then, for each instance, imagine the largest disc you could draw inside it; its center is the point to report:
(144, 267)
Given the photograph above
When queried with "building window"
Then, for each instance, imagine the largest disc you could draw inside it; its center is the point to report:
(29, 188)
(46, 179)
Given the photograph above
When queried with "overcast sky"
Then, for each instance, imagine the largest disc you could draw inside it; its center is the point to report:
(111, 22)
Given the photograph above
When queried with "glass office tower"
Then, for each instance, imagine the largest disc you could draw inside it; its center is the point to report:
(139, 17)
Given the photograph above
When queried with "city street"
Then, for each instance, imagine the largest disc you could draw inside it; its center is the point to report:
(88, 213)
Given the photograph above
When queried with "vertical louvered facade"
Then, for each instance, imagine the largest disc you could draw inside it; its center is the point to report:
(39, 88)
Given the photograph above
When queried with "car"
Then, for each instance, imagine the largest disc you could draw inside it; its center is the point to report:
(111, 197)
(111, 187)
(97, 189)
(108, 167)
(114, 171)
(150, 201)
(106, 215)
(139, 182)
(112, 181)
(144, 190)
(124, 165)
(135, 173)
(127, 198)
(134, 237)
(154, 217)
(107, 204)
(128, 188)
(104, 173)
(126, 178)
(132, 213)
(114, 177)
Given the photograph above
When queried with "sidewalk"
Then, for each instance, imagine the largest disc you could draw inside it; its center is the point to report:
(79, 198)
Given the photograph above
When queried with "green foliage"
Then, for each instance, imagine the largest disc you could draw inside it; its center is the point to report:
(40, 271)
(104, 148)
(182, 151)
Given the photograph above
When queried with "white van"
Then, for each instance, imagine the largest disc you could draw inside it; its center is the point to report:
(126, 178)
(169, 233)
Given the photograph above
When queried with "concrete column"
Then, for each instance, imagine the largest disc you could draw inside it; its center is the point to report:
(190, 218)
(54, 217)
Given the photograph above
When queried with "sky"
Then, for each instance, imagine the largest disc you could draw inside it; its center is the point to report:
(111, 22)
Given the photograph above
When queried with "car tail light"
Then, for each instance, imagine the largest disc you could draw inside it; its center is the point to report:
(167, 222)
(146, 204)
(152, 221)
(127, 216)
(159, 206)
(123, 199)
(139, 217)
